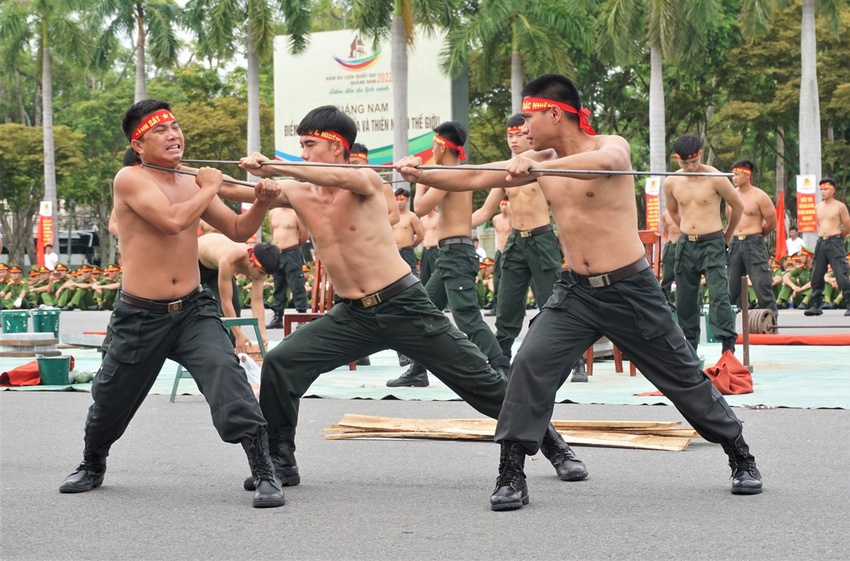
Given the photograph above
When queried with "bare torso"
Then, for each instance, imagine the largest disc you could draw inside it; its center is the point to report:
(404, 229)
(529, 208)
(698, 200)
(351, 235)
(284, 227)
(502, 225)
(752, 219)
(157, 265)
(830, 215)
(455, 216)
(215, 248)
(429, 226)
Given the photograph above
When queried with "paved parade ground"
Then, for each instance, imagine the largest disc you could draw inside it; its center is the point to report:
(173, 490)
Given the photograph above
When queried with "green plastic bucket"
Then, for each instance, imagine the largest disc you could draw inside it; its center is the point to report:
(15, 321)
(45, 321)
(54, 370)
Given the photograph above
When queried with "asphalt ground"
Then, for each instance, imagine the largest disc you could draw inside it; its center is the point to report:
(173, 490)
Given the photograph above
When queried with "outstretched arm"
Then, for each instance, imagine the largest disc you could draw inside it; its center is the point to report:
(489, 208)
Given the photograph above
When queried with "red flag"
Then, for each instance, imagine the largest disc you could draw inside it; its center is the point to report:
(781, 250)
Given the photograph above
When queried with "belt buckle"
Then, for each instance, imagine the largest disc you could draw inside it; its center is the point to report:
(525, 233)
(693, 238)
(598, 281)
(741, 238)
(371, 300)
(175, 306)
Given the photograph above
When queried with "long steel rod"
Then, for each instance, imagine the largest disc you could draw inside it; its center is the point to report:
(477, 168)
(185, 172)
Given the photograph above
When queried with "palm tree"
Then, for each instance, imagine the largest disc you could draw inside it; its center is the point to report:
(152, 20)
(674, 30)
(217, 25)
(46, 26)
(540, 35)
(375, 19)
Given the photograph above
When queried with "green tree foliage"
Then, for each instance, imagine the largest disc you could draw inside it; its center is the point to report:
(22, 187)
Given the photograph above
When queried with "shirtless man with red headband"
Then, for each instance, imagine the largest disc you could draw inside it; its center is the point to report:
(162, 311)
(833, 227)
(380, 303)
(609, 290)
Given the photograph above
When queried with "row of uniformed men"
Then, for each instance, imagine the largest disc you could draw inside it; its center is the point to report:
(86, 288)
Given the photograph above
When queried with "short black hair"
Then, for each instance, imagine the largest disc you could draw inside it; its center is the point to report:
(134, 115)
(358, 148)
(686, 146)
(793, 228)
(515, 120)
(453, 132)
(556, 87)
(130, 158)
(330, 118)
(745, 163)
(827, 180)
(402, 191)
(268, 255)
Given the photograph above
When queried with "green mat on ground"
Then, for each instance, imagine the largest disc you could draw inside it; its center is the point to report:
(797, 377)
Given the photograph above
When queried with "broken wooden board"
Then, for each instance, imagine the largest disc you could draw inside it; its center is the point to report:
(587, 433)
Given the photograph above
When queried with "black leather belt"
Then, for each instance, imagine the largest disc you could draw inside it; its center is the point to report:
(455, 240)
(607, 279)
(405, 248)
(835, 237)
(704, 237)
(159, 305)
(382, 295)
(290, 248)
(749, 237)
(534, 231)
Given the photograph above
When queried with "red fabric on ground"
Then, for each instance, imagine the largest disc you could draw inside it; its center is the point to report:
(729, 376)
(24, 375)
(829, 339)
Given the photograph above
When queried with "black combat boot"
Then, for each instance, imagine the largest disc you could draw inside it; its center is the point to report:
(403, 360)
(579, 373)
(89, 475)
(746, 478)
(815, 309)
(511, 490)
(562, 457)
(268, 492)
(727, 344)
(364, 361)
(414, 377)
(282, 452)
(277, 320)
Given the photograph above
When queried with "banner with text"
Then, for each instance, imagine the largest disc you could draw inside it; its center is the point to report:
(653, 216)
(45, 229)
(807, 220)
(340, 68)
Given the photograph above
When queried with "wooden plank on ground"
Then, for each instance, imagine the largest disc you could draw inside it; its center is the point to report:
(646, 435)
(404, 424)
(587, 438)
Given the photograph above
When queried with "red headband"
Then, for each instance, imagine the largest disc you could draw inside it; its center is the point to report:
(515, 129)
(254, 259)
(827, 184)
(536, 104)
(745, 171)
(150, 121)
(449, 144)
(691, 157)
(329, 135)
(360, 155)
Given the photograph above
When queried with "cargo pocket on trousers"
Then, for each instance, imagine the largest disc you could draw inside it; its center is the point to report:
(127, 335)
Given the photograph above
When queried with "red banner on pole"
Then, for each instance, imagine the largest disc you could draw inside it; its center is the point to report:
(653, 216)
(807, 220)
(45, 230)
(781, 250)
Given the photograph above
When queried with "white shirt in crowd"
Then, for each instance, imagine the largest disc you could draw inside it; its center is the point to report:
(794, 246)
(50, 260)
